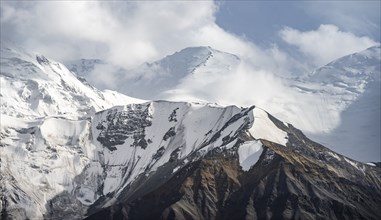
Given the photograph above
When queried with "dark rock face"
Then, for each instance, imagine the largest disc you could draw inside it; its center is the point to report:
(65, 207)
(42, 60)
(289, 188)
(120, 125)
(173, 115)
(170, 133)
(303, 180)
(227, 139)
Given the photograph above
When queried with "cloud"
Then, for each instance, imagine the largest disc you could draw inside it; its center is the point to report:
(326, 43)
(133, 33)
(130, 33)
(126, 34)
(245, 85)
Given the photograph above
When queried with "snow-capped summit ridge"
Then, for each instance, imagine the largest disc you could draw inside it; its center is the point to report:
(83, 67)
(201, 54)
(33, 85)
(349, 89)
(154, 80)
(364, 65)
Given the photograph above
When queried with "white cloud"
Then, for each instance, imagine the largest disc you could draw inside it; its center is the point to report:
(124, 33)
(127, 33)
(130, 33)
(247, 86)
(326, 43)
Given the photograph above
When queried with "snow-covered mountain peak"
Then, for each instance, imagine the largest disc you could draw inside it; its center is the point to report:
(83, 67)
(346, 96)
(151, 80)
(198, 53)
(352, 69)
(34, 86)
(188, 59)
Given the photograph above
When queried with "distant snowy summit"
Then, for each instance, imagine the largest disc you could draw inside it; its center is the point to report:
(84, 67)
(172, 77)
(161, 78)
(351, 85)
(350, 69)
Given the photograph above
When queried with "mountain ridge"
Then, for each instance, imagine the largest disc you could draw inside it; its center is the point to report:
(216, 188)
(90, 158)
(321, 103)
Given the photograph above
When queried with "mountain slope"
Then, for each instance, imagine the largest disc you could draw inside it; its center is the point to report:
(43, 106)
(65, 159)
(300, 180)
(352, 70)
(59, 158)
(34, 86)
(351, 85)
(124, 153)
(104, 156)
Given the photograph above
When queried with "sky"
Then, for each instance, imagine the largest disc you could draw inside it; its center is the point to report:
(261, 20)
(282, 36)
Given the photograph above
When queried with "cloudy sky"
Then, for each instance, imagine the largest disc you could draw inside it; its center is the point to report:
(280, 36)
